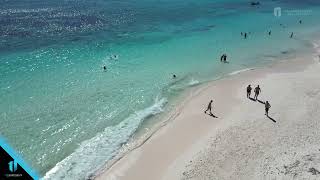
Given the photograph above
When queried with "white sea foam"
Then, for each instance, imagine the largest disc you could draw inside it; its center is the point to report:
(316, 46)
(92, 154)
(193, 82)
(240, 71)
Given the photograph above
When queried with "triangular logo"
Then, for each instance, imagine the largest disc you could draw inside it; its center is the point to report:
(13, 168)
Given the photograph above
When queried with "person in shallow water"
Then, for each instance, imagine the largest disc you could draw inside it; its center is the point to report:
(249, 88)
(209, 108)
(225, 58)
(257, 91)
(104, 68)
(269, 33)
(291, 36)
(174, 76)
(245, 35)
(221, 58)
(114, 57)
(267, 107)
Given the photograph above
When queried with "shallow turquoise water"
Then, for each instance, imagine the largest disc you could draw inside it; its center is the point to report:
(59, 106)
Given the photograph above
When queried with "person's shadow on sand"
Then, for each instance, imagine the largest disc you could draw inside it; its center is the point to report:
(252, 99)
(271, 119)
(212, 115)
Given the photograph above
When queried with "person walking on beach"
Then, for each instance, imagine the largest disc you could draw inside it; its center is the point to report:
(257, 91)
(267, 107)
(209, 108)
(249, 88)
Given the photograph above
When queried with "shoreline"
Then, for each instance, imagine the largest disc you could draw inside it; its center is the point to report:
(192, 93)
(253, 146)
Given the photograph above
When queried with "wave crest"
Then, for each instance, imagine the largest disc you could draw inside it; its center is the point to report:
(92, 154)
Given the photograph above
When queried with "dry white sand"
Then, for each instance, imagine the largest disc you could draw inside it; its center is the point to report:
(242, 143)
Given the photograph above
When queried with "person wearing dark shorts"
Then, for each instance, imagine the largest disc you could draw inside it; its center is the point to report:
(249, 88)
(267, 107)
(225, 58)
(209, 108)
(257, 91)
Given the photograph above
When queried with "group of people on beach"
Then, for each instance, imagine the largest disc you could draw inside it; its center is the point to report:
(257, 91)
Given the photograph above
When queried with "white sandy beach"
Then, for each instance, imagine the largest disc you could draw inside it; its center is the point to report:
(242, 143)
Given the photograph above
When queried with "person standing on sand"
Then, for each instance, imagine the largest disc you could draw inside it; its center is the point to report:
(249, 88)
(257, 91)
(267, 107)
(209, 108)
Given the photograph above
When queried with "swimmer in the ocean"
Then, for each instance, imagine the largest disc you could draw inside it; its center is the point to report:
(114, 57)
(104, 68)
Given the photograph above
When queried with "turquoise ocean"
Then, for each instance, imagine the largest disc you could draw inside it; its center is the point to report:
(67, 117)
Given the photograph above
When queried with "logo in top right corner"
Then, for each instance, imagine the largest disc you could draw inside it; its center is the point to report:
(277, 11)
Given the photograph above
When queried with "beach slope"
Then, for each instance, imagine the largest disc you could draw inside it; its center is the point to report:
(241, 143)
